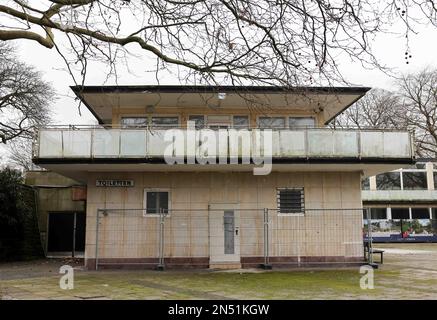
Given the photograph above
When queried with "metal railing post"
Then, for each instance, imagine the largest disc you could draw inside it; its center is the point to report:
(97, 239)
(161, 240)
(266, 264)
(369, 237)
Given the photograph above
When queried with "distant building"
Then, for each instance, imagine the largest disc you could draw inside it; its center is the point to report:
(403, 196)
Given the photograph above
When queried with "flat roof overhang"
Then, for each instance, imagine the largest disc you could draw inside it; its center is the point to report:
(329, 101)
(79, 169)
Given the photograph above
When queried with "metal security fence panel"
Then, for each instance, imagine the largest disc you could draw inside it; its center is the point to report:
(225, 235)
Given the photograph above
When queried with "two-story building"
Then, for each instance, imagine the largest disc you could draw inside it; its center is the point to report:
(220, 177)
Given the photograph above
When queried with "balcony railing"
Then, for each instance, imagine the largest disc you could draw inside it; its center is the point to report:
(304, 143)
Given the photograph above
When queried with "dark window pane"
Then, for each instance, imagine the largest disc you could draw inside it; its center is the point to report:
(420, 213)
(400, 213)
(165, 122)
(291, 200)
(301, 122)
(414, 180)
(157, 202)
(378, 213)
(388, 181)
(134, 121)
(435, 180)
(152, 202)
(434, 213)
(163, 201)
(199, 120)
(241, 122)
(271, 122)
(365, 184)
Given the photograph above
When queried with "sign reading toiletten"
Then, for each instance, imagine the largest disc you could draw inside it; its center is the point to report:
(114, 183)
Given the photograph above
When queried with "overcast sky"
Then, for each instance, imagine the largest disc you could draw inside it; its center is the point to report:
(389, 49)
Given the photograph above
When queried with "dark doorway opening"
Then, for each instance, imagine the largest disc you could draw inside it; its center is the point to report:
(66, 233)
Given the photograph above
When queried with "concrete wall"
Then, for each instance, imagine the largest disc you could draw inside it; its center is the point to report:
(329, 233)
(54, 193)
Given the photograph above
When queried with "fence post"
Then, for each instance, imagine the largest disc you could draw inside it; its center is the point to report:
(161, 240)
(369, 237)
(97, 239)
(266, 264)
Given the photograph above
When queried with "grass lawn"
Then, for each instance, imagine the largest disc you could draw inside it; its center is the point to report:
(403, 276)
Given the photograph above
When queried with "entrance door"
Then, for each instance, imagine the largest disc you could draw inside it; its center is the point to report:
(224, 246)
(66, 233)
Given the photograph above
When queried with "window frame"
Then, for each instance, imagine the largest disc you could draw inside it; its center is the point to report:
(178, 125)
(287, 121)
(288, 214)
(241, 115)
(197, 115)
(145, 191)
(314, 125)
(406, 172)
(149, 119)
(123, 126)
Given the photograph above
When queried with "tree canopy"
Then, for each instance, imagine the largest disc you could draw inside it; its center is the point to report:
(257, 41)
(24, 97)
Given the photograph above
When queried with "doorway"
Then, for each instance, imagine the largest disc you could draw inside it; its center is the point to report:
(66, 233)
(224, 235)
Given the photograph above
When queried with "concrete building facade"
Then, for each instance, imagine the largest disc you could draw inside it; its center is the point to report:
(143, 211)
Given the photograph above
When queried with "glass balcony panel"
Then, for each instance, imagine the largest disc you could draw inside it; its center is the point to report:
(372, 144)
(133, 143)
(77, 143)
(50, 144)
(345, 143)
(106, 143)
(396, 144)
(156, 144)
(292, 143)
(320, 143)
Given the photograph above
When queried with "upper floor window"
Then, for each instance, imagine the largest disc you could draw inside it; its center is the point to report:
(165, 122)
(388, 181)
(271, 122)
(240, 122)
(414, 180)
(199, 121)
(365, 184)
(290, 200)
(134, 121)
(301, 122)
(160, 122)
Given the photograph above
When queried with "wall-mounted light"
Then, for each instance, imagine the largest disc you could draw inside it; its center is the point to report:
(222, 95)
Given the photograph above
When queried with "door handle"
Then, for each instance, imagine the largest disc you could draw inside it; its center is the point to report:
(236, 231)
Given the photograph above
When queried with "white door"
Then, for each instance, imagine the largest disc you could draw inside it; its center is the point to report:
(224, 233)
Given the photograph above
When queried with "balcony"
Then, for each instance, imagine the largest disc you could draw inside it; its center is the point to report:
(398, 196)
(142, 145)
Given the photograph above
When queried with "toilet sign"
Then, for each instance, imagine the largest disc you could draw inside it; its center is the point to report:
(114, 183)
